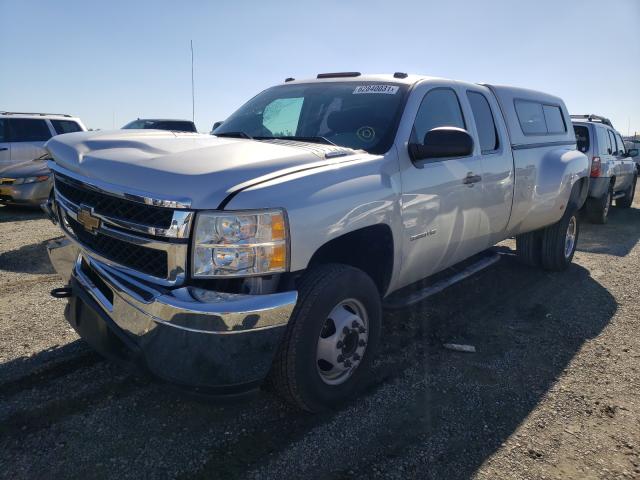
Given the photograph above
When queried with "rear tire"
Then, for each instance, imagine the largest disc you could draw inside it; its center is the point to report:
(598, 208)
(298, 374)
(627, 200)
(559, 242)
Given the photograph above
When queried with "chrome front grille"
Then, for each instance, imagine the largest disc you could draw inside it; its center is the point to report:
(125, 231)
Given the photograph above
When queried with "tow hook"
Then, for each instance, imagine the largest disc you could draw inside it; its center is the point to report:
(61, 292)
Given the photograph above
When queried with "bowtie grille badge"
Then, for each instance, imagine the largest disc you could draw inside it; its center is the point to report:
(86, 218)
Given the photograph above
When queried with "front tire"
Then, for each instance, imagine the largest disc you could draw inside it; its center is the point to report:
(322, 361)
(559, 242)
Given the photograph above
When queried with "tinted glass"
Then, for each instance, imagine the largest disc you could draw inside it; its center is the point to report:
(621, 148)
(65, 126)
(439, 108)
(351, 114)
(173, 125)
(484, 121)
(612, 143)
(2, 131)
(554, 120)
(28, 130)
(582, 138)
(531, 117)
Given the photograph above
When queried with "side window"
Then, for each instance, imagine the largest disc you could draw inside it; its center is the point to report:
(582, 137)
(612, 143)
(3, 135)
(603, 140)
(65, 126)
(484, 120)
(439, 108)
(621, 148)
(28, 130)
(281, 116)
(554, 120)
(531, 117)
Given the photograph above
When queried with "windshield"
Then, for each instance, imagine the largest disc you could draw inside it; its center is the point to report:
(351, 114)
(175, 125)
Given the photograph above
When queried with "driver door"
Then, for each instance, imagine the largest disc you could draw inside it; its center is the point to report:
(441, 197)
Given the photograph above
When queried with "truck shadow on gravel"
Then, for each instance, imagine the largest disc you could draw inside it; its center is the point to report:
(27, 259)
(437, 413)
(617, 237)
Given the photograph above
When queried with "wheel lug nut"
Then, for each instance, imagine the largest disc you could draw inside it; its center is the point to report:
(362, 343)
(340, 358)
(345, 330)
(339, 344)
(354, 324)
(347, 363)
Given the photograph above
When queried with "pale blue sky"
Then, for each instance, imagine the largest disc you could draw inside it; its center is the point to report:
(113, 61)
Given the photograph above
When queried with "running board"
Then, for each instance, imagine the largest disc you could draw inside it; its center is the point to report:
(402, 301)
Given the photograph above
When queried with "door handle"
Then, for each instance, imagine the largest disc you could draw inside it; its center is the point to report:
(471, 178)
(2, 149)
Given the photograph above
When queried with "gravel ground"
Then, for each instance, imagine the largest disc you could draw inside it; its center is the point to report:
(553, 390)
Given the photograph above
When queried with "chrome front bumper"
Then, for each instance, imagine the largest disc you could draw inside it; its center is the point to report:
(186, 335)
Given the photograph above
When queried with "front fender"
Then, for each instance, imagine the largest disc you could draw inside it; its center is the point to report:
(325, 203)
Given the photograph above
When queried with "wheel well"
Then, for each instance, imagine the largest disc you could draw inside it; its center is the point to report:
(579, 192)
(370, 249)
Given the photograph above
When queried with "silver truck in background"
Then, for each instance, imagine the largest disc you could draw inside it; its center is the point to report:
(268, 249)
(613, 171)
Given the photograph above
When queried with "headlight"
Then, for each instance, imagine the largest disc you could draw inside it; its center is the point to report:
(228, 244)
(39, 178)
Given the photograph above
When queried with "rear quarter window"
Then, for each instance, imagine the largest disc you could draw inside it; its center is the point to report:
(582, 138)
(28, 130)
(65, 126)
(553, 119)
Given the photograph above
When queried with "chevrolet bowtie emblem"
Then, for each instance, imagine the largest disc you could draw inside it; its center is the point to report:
(87, 220)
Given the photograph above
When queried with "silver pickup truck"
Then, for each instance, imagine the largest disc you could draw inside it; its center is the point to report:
(266, 250)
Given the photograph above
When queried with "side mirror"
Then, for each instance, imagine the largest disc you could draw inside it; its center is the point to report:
(633, 152)
(442, 142)
(216, 125)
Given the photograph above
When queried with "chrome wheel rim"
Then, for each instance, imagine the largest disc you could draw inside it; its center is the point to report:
(570, 239)
(342, 342)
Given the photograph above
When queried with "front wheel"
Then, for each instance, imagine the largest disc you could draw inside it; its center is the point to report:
(330, 340)
(559, 242)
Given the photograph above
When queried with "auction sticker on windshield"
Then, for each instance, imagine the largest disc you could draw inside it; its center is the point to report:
(386, 89)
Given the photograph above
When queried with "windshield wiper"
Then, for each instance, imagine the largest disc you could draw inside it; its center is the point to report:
(324, 140)
(234, 135)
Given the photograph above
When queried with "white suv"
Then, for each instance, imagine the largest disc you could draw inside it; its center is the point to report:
(23, 135)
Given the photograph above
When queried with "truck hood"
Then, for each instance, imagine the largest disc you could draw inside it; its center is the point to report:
(200, 170)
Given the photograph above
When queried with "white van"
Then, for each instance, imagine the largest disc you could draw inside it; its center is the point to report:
(23, 135)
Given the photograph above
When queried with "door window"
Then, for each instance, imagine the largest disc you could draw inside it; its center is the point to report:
(2, 130)
(439, 108)
(28, 130)
(281, 116)
(485, 123)
(612, 143)
(621, 148)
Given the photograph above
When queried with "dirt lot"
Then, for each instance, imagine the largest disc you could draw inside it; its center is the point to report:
(553, 390)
